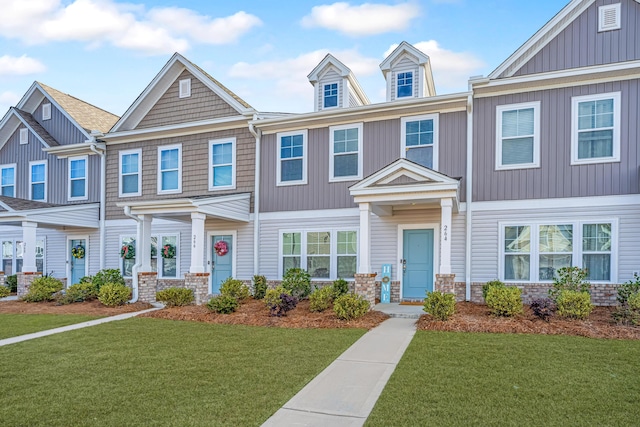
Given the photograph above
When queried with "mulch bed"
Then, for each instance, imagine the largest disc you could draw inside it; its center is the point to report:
(90, 308)
(470, 317)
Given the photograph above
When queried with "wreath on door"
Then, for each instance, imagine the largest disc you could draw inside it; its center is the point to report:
(78, 251)
(221, 248)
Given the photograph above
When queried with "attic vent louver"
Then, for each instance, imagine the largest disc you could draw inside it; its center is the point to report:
(609, 17)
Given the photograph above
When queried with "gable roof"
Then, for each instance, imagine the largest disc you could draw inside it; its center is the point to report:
(418, 56)
(36, 128)
(344, 71)
(12, 120)
(163, 80)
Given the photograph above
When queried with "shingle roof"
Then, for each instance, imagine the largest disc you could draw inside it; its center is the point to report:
(223, 87)
(23, 204)
(37, 128)
(88, 116)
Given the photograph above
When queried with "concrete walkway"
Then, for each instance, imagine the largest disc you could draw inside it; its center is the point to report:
(344, 394)
(20, 338)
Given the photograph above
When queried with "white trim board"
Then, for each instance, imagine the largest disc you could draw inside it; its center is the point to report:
(566, 203)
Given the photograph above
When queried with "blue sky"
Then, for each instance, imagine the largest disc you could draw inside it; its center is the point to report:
(107, 51)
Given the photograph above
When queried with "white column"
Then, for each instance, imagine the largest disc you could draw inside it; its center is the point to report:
(197, 242)
(446, 207)
(29, 242)
(364, 248)
(143, 249)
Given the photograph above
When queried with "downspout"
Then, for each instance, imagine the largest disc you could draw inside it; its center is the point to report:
(136, 266)
(469, 194)
(257, 133)
(103, 202)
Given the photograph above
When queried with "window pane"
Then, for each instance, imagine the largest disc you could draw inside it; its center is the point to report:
(319, 243)
(595, 144)
(130, 163)
(556, 238)
(37, 173)
(169, 159)
(291, 170)
(8, 176)
(598, 266)
(347, 243)
(222, 153)
(130, 184)
(517, 267)
(77, 188)
(8, 191)
(421, 155)
(516, 151)
(345, 165)
(170, 180)
(37, 191)
(78, 169)
(291, 244)
(289, 263)
(517, 239)
(169, 267)
(596, 237)
(319, 266)
(346, 267)
(549, 265)
(222, 176)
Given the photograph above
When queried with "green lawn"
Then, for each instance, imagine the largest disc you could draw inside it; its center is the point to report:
(462, 379)
(12, 325)
(159, 372)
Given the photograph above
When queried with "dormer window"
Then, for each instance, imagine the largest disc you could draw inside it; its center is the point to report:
(46, 111)
(405, 84)
(330, 95)
(185, 88)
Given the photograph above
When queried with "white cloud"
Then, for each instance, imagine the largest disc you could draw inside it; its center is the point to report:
(7, 99)
(130, 26)
(364, 20)
(19, 65)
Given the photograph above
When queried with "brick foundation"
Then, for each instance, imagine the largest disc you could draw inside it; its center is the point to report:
(365, 286)
(2, 278)
(147, 286)
(199, 285)
(601, 294)
(25, 280)
(445, 283)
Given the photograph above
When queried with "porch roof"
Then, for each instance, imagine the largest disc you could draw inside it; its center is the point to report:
(15, 211)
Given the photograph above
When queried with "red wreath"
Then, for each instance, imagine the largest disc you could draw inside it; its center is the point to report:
(221, 248)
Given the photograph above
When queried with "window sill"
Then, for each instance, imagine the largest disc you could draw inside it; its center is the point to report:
(225, 187)
(578, 162)
(130, 195)
(346, 178)
(289, 183)
(518, 166)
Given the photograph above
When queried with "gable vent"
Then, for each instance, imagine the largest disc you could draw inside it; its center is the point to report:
(609, 17)
(46, 111)
(24, 136)
(185, 88)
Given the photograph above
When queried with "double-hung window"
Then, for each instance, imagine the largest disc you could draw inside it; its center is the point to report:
(595, 123)
(330, 95)
(420, 140)
(78, 178)
(38, 180)
(13, 254)
(596, 250)
(170, 169)
(164, 255)
(555, 249)
(292, 158)
(8, 180)
(130, 173)
(345, 161)
(518, 136)
(404, 83)
(222, 155)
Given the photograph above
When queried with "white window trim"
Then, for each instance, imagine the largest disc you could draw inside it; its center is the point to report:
(159, 258)
(213, 142)
(436, 136)
(34, 163)
(46, 111)
(414, 75)
(534, 253)
(601, 14)
(15, 178)
(616, 128)
(86, 178)
(24, 136)
(536, 135)
(333, 271)
(186, 93)
(332, 155)
(322, 107)
(122, 153)
(305, 157)
(159, 183)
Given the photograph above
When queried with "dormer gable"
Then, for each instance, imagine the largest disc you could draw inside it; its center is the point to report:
(408, 74)
(335, 86)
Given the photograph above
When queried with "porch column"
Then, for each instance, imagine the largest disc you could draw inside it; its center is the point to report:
(364, 247)
(144, 243)
(29, 239)
(446, 206)
(197, 242)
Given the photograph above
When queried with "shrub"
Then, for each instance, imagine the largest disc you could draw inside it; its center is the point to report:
(234, 288)
(223, 304)
(108, 275)
(83, 291)
(175, 297)
(259, 286)
(340, 287)
(297, 282)
(571, 279)
(42, 289)
(574, 304)
(440, 305)
(279, 301)
(486, 286)
(350, 306)
(113, 294)
(321, 299)
(4, 291)
(12, 283)
(627, 289)
(543, 308)
(504, 301)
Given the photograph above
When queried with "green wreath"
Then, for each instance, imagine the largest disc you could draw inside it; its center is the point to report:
(127, 252)
(78, 251)
(168, 251)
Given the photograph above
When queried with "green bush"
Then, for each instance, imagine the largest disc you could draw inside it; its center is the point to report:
(321, 299)
(486, 286)
(12, 283)
(113, 294)
(297, 282)
(175, 297)
(279, 301)
(627, 289)
(440, 305)
(624, 314)
(83, 291)
(570, 279)
(574, 304)
(259, 286)
(223, 304)
(42, 289)
(4, 291)
(634, 301)
(504, 300)
(350, 306)
(340, 287)
(234, 288)
(108, 275)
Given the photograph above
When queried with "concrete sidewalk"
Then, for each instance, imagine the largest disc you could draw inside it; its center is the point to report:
(344, 394)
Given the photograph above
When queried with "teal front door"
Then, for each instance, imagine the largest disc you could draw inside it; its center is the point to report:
(417, 263)
(221, 260)
(78, 262)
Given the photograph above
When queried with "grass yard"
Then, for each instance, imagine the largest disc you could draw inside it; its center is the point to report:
(12, 325)
(159, 372)
(463, 379)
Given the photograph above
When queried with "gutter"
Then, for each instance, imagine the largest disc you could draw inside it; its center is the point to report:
(469, 194)
(103, 201)
(257, 133)
(137, 265)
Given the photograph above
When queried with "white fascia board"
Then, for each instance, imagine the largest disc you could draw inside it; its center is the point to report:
(564, 203)
(71, 150)
(221, 212)
(409, 196)
(420, 191)
(397, 167)
(221, 199)
(357, 89)
(402, 48)
(11, 128)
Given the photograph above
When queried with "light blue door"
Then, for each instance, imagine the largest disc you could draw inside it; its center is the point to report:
(78, 262)
(417, 277)
(221, 263)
